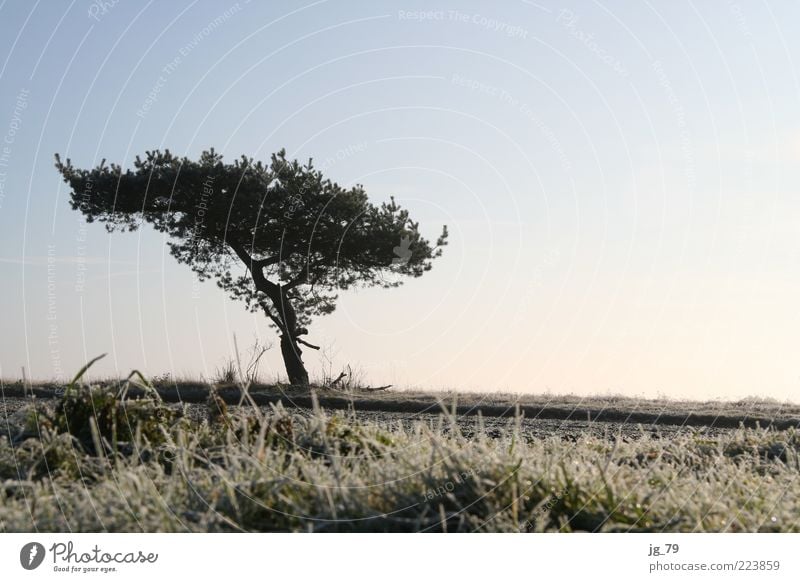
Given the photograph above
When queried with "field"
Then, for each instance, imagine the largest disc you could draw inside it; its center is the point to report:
(123, 457)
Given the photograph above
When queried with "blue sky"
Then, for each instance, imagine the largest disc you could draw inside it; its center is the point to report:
(620, 182)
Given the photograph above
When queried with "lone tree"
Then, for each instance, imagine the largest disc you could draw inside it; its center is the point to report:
(299, 237)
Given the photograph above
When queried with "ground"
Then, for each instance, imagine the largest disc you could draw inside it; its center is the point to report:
(129, 458)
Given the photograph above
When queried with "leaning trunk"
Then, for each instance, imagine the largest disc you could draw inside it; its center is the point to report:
(284, 318)
(295, 368)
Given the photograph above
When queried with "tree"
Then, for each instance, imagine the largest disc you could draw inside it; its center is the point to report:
(297, 238)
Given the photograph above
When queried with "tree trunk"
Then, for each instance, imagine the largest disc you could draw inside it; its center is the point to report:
(290, 349)
(284, 317)
(295, 368)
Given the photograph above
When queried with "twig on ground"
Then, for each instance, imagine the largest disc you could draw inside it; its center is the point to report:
(376, 389)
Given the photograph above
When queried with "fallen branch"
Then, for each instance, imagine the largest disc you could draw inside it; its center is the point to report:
(376, 389)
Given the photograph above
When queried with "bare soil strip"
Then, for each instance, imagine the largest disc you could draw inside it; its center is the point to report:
(359, 402)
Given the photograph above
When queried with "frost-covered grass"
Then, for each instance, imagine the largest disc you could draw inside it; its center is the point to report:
(98, 462)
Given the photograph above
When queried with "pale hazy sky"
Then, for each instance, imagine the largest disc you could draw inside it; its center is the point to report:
(620, 180)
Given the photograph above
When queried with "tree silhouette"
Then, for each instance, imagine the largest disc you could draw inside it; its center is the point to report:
(299, 237)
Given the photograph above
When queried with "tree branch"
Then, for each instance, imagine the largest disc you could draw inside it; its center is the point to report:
(299, 280)
(249, 261)
(256, 267)
(305, 343)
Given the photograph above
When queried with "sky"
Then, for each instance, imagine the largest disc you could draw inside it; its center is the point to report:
(620, 182)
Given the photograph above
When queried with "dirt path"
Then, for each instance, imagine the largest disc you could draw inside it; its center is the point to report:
(492, 419)
(557, 409)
